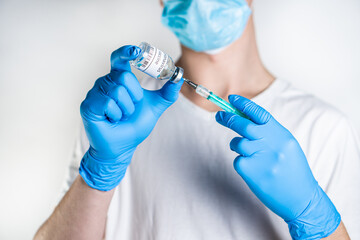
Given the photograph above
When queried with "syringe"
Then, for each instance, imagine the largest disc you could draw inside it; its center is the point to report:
(205, 93)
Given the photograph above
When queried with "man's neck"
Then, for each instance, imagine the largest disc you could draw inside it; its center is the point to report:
(236, 70)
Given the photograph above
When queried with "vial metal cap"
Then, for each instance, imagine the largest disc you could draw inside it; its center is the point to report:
(179, 72)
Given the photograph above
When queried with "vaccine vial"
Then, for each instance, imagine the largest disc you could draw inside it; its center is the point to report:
(157, 64)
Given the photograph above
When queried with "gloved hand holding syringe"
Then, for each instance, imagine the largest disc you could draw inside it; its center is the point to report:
(159, 65)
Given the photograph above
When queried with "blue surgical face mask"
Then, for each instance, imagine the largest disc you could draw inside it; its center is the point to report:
(206, 25)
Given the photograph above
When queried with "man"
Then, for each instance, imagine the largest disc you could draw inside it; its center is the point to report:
(181, 183)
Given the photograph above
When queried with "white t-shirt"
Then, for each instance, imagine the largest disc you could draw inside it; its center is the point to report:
(181, 183)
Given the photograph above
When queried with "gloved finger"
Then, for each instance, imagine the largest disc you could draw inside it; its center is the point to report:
(112, 111)
(130, 82)
(251, 167)
(256, 113)
(98, 107)
(120, 58)
(239, 164)
(165, 96)
(122, 98)
(170, 91)
(240, 125)
(248, 166)
(243, 146)
(244, 167)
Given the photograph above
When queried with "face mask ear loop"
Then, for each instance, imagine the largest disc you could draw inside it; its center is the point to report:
(251, 6)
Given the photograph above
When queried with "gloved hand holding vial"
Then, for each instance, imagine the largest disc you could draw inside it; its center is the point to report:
(118, 114)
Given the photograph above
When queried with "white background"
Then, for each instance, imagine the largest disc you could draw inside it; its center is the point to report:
(51, 52)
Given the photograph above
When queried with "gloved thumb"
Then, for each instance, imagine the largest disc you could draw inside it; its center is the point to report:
(256, 113)
(170, 91)
(167, 95)
(120, 58)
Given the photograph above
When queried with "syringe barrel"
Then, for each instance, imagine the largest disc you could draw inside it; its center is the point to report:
(228, 107)
(203, 91)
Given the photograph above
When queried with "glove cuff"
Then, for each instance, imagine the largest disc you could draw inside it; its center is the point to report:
(100, 175)
(319, 220)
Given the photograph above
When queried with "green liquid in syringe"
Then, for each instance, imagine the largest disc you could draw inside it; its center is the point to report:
(204, 92)
(228, 107)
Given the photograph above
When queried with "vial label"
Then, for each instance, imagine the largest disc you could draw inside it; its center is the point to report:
(154, 63)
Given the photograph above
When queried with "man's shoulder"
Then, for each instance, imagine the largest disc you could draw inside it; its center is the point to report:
(306, 106)
(322, 130)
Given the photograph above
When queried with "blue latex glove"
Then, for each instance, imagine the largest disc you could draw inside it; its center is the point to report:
(275, 168)
(118, 114)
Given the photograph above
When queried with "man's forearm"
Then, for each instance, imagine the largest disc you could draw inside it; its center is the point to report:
(81, 214)
(339, 234)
